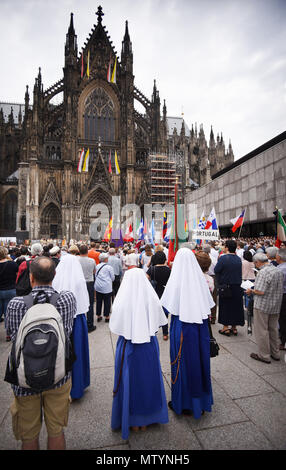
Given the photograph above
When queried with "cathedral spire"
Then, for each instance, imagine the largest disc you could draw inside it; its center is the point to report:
(126, 36)
(71, 30)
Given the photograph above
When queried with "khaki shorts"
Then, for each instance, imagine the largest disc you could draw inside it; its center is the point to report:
(27, 413)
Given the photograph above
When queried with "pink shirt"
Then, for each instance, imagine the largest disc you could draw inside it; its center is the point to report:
(247, 270)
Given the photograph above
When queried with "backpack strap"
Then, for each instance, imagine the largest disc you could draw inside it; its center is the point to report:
(54, 298)
(28, 300)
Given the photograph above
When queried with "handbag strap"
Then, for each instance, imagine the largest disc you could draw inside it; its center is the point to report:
(210, 328)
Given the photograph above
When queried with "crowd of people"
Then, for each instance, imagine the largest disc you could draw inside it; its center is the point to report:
(136, 291)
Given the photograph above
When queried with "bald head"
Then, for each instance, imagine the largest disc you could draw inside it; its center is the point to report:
(42, 271)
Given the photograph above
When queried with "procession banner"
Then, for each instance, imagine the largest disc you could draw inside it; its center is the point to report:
(203, 234)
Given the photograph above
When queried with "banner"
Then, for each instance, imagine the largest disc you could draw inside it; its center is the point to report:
(203, 234)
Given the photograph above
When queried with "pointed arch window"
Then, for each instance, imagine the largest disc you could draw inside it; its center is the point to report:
(99, 116)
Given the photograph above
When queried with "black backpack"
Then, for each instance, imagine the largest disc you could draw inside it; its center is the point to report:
(23, 286)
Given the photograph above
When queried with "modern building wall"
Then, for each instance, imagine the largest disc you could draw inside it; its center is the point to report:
(256, 182)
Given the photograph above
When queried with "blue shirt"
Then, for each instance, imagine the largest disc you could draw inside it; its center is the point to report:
(228, 270)
(104, 278)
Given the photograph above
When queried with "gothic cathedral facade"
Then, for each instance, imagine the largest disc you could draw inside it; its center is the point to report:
(50, 197)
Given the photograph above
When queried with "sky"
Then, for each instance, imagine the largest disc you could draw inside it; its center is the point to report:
(222, 63)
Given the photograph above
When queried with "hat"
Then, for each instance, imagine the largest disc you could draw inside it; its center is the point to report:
(54, 250)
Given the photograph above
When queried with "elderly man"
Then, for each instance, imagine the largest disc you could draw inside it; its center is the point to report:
(271, 254)
(268, 292)
(118, 272)
(104, 278)
(281, 260)
(55, 253)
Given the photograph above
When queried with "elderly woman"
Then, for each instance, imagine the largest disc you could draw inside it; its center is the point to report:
(104, 277)
(228, 271)
(138, 396)
(69, 276)
(187, 297)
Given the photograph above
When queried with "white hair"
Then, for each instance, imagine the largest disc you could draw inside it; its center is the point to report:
(36, 249)
(103, 256)
(282, 254)
(262, 257)
(272, 251)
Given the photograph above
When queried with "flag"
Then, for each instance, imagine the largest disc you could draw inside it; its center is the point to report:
(202, 221)
(86, 160)
(117, 169)
(178, 234)
(211, 222)
(140, 231)
(165, 225)
(128, 237)
(113, 77)
(109, 71)
(81, 74)
(109, 167)
(237, 221)
(169, 228)
(87, 68)
(151, 233)
(80, 161)
(281, 229)
(116, 237)
(108, 231)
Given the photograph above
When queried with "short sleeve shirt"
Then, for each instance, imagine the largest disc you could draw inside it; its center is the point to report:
(270, 281)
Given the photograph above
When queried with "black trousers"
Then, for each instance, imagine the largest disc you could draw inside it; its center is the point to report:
(90, 313)
(106, 299)
(115, 286)
(282, 321)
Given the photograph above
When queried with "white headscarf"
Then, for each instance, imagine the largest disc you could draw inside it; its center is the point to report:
(187, 293)
(136, 312)
(69, 276)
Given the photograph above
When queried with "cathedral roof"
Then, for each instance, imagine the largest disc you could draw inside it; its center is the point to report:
(176, 122)
(16, 110)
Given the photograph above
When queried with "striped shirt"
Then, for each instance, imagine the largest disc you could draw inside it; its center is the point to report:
(270, 281)
(16, 309)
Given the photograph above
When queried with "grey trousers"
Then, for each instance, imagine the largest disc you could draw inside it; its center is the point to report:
(266, 334)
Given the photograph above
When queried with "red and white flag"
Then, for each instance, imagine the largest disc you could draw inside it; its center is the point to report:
(237, 221)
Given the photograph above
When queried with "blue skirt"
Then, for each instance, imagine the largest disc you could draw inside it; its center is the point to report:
(140, 399)
(81, 369)
(192, 389)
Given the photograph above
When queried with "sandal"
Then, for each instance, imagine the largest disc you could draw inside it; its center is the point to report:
(257, 358)
(224, 332)
(165, 337)
(234, 331)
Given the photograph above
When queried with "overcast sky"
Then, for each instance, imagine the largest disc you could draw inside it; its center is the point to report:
(220, 62)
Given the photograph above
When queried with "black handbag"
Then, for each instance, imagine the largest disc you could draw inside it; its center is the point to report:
(214, 347)
(224, 291)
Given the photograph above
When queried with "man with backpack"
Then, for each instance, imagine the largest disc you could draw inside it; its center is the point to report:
(47, 389)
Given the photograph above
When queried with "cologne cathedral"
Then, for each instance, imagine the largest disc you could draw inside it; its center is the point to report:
(44, 193)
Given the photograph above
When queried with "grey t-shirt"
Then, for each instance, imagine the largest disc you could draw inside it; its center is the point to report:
(88, 266)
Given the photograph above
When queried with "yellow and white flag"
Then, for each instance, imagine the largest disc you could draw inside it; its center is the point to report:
(86, 160)
(117, 169)
(113, 77)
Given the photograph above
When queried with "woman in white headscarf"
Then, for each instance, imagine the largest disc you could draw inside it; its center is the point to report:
(138, 395)
(69, 276)
(187, 297)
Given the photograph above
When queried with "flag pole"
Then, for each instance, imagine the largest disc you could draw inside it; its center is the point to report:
(242, 223)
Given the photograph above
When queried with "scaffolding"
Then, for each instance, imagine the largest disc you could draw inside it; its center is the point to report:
(165, 170)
